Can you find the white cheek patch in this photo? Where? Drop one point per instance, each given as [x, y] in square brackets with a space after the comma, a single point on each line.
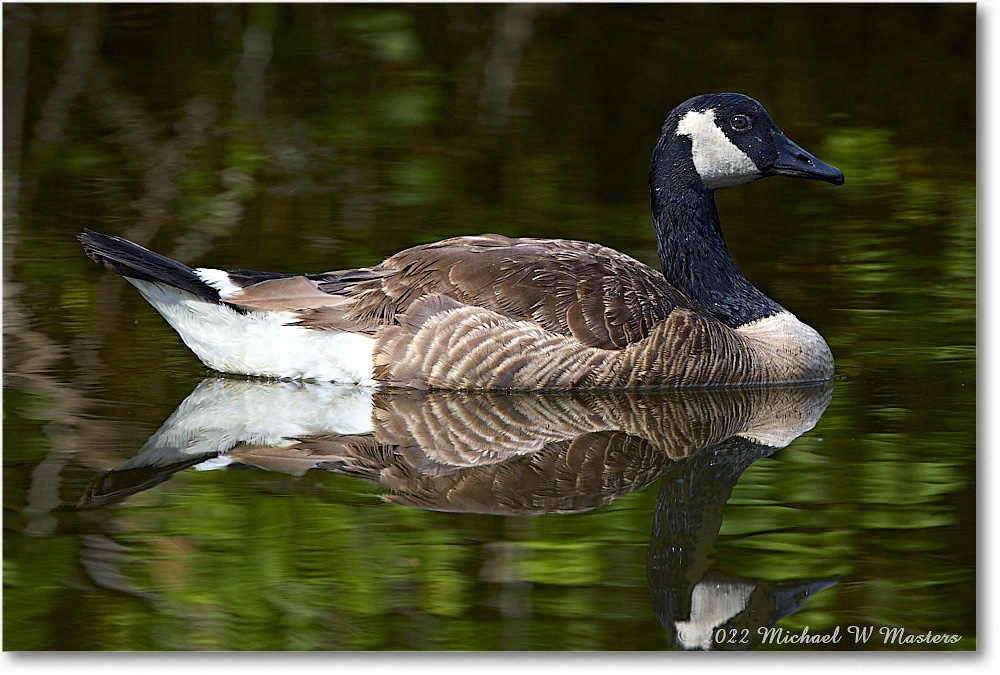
[716, 159]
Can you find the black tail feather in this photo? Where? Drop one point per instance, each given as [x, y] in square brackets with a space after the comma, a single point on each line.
[131, 260]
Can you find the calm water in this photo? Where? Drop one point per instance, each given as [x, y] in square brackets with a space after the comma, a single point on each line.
[307, 138]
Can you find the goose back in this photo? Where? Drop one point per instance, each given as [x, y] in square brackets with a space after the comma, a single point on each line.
[595, 295]
[492, 312]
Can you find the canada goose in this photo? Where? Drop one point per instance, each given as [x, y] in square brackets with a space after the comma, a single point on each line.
[477, 452]
[490, 312]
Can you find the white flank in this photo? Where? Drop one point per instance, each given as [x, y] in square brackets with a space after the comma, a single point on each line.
[260, 342]
[716, 159]
[222, 413]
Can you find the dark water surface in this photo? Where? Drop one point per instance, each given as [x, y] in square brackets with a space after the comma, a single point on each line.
[304, 138]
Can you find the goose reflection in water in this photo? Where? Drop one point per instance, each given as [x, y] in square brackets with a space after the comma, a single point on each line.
[517, 454]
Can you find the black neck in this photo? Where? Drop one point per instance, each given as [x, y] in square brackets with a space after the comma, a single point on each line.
[693, 254]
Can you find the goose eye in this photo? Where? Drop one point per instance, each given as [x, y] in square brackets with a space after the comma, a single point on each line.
[740, 122]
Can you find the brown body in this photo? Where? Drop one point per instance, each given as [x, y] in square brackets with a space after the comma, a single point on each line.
[490, 312]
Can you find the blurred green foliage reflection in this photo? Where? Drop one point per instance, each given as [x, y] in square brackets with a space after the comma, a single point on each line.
[306, 137]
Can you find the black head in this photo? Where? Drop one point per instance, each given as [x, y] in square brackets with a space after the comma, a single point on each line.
[730, 139]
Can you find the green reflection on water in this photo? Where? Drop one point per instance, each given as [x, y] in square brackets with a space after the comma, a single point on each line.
[371, 135]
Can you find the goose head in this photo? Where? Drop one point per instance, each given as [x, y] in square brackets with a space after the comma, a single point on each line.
[715, 140]
[708, 142]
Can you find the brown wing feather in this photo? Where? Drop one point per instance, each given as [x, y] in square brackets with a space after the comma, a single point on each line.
[595, 294]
